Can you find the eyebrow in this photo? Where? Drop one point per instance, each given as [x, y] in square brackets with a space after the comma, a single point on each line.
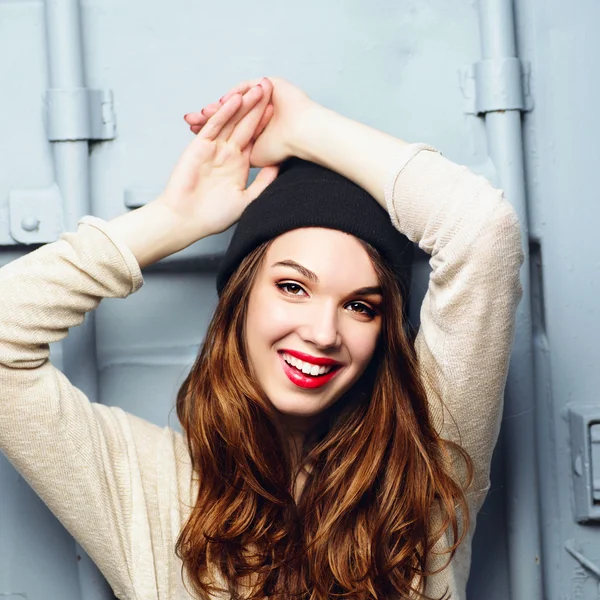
[363, 291]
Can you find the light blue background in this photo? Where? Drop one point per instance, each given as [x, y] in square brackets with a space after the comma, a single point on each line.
[392, 65]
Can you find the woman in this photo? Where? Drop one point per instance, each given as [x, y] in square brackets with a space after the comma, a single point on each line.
[324, 454]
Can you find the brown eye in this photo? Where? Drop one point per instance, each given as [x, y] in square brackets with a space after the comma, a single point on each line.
[360, 308]
[293, 289]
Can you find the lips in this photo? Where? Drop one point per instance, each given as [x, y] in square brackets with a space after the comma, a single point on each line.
[304, 380]
[315, 360]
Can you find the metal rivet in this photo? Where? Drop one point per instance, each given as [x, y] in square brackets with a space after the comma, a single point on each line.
[30, 223]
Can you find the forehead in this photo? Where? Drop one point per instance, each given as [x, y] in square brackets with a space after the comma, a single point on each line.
[334, 256]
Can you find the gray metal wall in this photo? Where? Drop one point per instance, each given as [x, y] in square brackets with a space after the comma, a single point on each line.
[399, 66]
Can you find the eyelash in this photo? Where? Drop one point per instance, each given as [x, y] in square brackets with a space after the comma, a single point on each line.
[287, 284]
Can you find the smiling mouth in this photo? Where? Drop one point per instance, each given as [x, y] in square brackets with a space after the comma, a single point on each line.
[305, 374]
[306, 367]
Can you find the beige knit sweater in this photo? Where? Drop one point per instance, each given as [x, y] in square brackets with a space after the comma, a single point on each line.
[123, 486]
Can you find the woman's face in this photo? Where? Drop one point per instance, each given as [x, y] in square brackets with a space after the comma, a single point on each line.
[313, 320]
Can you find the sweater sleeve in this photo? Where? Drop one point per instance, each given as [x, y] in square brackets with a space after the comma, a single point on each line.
[468, 314]
[80, 457]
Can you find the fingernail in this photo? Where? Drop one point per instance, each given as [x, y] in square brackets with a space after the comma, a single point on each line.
[202, 111]
[222, 98]
[185, 116]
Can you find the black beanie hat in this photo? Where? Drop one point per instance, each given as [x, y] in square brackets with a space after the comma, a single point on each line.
[307, 195]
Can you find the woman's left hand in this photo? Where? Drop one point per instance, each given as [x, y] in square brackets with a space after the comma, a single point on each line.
[280, 132]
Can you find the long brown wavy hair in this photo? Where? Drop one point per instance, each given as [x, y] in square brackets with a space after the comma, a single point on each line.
[376, 471]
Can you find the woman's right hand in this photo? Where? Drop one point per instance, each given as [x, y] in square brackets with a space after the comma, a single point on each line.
[206, 192]
[290, 107]
[208, 184]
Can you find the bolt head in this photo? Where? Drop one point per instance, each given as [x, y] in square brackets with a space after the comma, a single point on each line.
[30, 223]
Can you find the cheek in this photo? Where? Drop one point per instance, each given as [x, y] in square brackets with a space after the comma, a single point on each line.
[361, 343]
[267, 320]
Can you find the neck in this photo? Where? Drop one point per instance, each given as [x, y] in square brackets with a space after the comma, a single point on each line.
[297, 430]
[297, 434]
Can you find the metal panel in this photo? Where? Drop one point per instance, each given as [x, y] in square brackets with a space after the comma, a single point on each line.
[561, 151]
[397, 66]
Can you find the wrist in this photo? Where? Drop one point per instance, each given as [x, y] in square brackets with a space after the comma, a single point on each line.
[307, 131]
[152, 232]
[353, 149]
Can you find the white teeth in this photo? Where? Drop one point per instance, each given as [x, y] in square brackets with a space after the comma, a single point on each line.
[306, 367]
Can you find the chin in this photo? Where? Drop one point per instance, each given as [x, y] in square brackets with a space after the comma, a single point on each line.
[294, 407]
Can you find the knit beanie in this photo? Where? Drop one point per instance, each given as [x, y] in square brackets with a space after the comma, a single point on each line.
[307, 195]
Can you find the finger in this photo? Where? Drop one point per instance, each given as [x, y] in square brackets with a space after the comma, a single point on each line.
[198, 119]
[207, 113]
[198, 124]
[250, 100]
[195, 118]
[246, 128]
[216, 123]
[264, 121]
[266, 176]
[241, 88]
[246, 153]
[202, 116]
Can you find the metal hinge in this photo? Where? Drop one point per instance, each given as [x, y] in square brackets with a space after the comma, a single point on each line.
[496, 85]
[34, 216]
[79, 114]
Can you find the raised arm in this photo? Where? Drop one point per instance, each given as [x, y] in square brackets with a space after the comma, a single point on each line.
[461, 220]
[110, 477]
[473, 237]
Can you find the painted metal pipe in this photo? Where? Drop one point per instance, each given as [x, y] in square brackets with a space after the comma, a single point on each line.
[504, 134]
[72, 175]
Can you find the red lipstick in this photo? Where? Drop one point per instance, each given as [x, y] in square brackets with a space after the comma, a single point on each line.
[303, 380]
[313, 360]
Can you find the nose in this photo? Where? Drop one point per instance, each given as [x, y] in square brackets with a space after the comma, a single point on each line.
[321, 327]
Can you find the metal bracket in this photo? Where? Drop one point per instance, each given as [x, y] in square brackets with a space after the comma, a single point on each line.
[79, 114]
[35, 216]
[496, 85]
[584, 421]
